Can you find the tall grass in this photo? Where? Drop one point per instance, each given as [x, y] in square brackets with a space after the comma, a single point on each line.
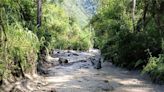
[21, 45]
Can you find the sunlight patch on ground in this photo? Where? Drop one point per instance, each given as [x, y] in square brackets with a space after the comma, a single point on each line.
[58, 79]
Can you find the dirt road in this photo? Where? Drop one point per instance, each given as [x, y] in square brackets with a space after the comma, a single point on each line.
[79, 75]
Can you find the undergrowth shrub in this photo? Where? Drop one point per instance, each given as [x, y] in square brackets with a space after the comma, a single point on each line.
[129, 44]
[119, 41]
[22, 46]
[155, 68]
[18, 52]
[128, 49]
[25, 43]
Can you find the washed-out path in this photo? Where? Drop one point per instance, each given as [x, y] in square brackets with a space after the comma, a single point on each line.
[79, 75]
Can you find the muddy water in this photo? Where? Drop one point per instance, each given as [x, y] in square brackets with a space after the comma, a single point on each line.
[79, 75]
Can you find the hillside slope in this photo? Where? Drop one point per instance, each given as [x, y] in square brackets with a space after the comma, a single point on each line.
[81, 10]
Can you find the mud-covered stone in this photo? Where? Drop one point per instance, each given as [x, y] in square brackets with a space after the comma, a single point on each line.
[63, 61]
[98, 65]
[96, 62]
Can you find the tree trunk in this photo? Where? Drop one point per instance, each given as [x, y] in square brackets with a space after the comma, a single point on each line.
[133, 14]
[39, 12]
[144, 14]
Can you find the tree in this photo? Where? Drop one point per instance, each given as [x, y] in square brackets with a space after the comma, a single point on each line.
[133, 13]
[39, 12]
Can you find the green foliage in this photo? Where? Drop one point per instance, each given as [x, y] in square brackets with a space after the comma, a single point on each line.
[21, 44]
[24, 44]
[18, 44]
[163, 45]
[155, 68]
[64, 32]
[124, 46]
[75, 9]
[21, 41]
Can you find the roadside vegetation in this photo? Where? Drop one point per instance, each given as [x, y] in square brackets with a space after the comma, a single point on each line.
[22, 43]
[130, 34]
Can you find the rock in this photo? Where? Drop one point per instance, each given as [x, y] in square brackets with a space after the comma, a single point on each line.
[75, 54]
[79, 81]
[92, 61]
[106, 88]
[106, 81]
[63, 61]
[84, 66]
[96, 62]
[98, 65]
[16, 89]
[45, 90]
[52, 90]
[72, 53]
[41, 69]
[69, 54]
[83, 61]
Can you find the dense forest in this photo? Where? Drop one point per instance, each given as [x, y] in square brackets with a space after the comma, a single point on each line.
[21, 40]
[129, 33]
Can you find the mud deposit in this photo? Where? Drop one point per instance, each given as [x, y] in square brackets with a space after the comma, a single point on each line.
[81, 75]
[73, 71]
